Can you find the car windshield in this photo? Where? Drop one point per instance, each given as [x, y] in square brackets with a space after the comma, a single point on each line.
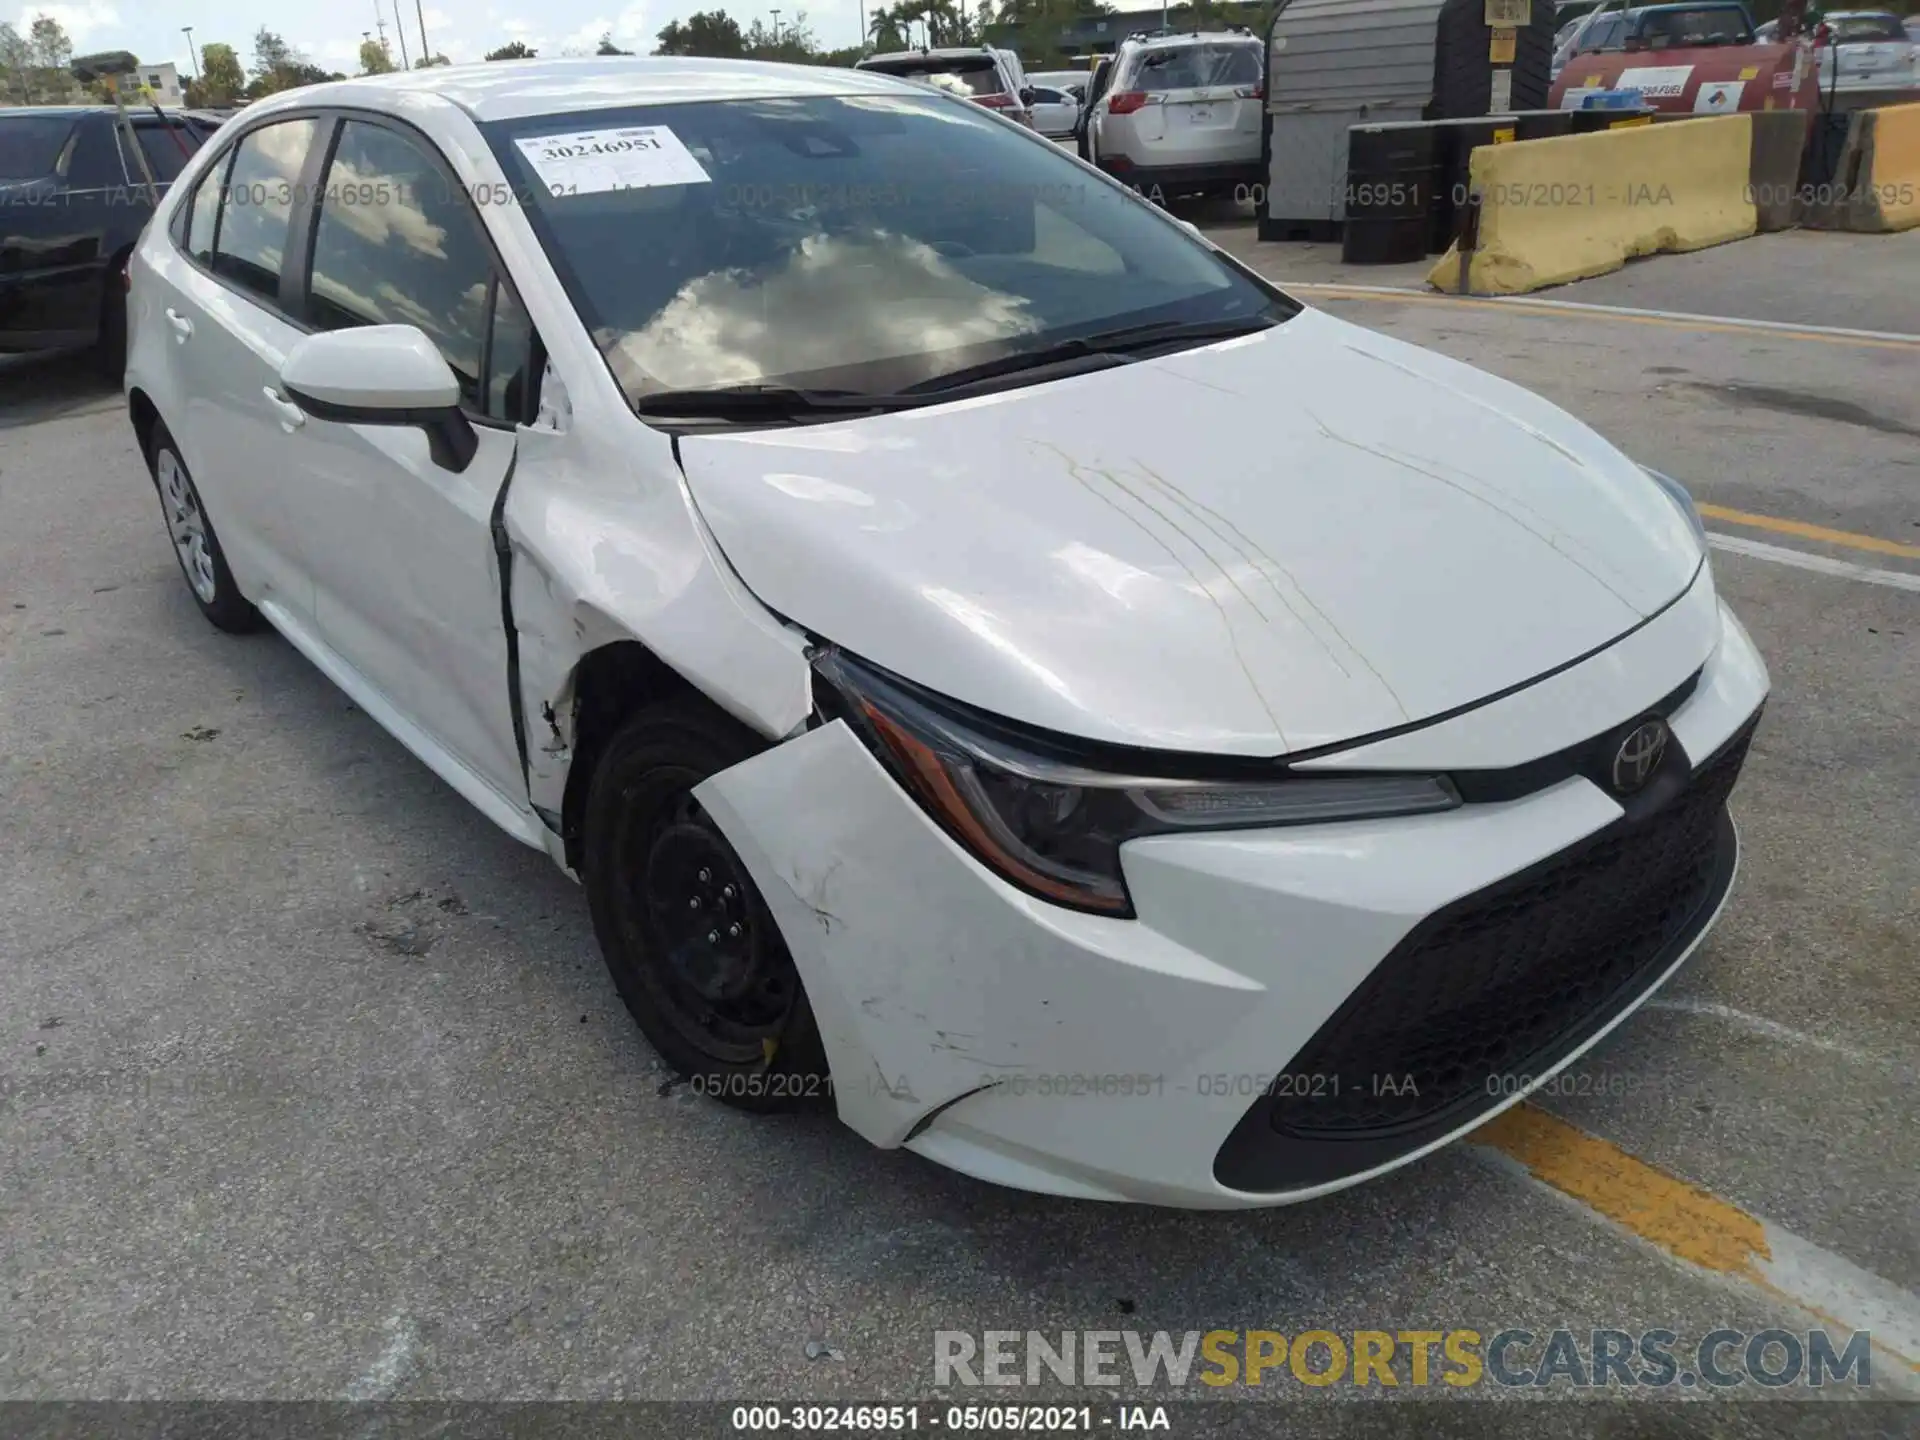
[857, 242]
[1858, 29]
[30, 144]
[1196, 67]
[964, 75]
[1678, 29]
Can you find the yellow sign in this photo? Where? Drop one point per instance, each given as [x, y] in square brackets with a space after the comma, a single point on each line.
[1503, 135]
[1500, 48]
[1624, 124]
[1508, 13]
[1750, 72]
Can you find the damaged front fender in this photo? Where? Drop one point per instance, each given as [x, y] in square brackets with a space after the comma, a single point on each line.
[930, 977]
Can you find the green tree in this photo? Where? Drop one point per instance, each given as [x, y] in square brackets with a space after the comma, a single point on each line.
[794, 44]
[221, 81]
[711, 33]
[374, 59]
[512, 50]
[429, 62]
[270, 53]
[16, 66]
[607, 47]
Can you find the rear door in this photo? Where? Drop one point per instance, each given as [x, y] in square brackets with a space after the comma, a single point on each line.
[59, 233]
[223, 311]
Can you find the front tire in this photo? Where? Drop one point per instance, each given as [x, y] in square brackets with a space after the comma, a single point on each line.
[690, 943]
[202, 563]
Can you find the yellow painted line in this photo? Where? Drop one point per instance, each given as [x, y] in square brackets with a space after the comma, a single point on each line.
[1682, 1219]
[1810, 532]
[1594, 312]
[1700, 1228]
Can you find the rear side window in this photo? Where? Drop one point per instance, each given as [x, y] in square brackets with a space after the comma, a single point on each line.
[30, 145]
[509, 359]
[252, 244]
[396, 244]
[201, 215]
[1196, 67]
[167, 148]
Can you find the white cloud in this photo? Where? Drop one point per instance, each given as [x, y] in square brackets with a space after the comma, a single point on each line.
[83, 23]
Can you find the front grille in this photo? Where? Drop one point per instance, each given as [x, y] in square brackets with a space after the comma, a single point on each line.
[1498, 984]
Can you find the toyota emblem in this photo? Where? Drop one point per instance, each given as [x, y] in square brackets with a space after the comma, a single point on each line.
[1639, 755]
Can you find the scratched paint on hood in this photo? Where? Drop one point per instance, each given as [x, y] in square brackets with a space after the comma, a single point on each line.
[1265, 545]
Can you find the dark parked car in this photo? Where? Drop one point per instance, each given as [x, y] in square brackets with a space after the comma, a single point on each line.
[73, 200]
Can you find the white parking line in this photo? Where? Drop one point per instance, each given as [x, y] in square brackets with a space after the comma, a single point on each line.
[1531, 302]
[1821, 564]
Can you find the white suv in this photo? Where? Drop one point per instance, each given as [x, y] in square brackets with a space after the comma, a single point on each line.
[985, 75]
[1183, 113]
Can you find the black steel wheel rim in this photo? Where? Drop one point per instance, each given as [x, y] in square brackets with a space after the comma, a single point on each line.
[699, 938]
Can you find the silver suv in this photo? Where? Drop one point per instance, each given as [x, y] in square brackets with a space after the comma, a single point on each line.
[1183, 113]
[983, 74]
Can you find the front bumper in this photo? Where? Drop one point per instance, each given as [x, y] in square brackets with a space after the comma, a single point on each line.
[1168, 1059]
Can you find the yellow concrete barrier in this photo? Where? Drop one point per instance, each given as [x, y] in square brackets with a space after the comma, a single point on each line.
[1889, 193]
[1571, 206]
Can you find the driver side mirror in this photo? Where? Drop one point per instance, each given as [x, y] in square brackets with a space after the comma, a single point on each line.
[1029, 97]
[382, 375]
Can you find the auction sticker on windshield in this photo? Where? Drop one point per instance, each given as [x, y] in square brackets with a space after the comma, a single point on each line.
[588, 162]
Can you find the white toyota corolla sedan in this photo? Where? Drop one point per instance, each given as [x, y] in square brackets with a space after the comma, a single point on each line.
[995, 664]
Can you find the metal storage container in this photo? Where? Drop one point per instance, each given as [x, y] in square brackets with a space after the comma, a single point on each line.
[1334, 64]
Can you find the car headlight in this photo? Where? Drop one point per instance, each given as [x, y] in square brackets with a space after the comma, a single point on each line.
[1050, 816]
[1682, 497]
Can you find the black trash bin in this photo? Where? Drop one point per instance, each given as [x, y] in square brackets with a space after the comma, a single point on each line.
[1390, 177]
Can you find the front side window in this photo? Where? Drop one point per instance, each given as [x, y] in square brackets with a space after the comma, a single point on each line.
[864, 242]
[252, 244]
[395, 244]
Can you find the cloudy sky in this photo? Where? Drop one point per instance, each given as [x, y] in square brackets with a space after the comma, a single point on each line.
[329, 31]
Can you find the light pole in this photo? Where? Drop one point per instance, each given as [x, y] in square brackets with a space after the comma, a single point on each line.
[776, 27]
[193, 56]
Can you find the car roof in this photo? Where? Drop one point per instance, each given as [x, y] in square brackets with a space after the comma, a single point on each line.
[938, 52]
[1193, 37]
[514, 89]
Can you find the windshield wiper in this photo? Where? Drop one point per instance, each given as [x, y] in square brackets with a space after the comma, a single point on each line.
[1119, 346]
[753, 402]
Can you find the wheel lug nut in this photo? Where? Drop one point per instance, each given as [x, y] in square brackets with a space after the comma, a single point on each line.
[694, 903]
[726, 892]
[705, 876]
[734, 931]
[713, 937]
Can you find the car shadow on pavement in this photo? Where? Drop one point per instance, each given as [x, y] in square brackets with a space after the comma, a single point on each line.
[46, 387]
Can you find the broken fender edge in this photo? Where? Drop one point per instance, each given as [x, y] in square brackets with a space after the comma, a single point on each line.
[929, 977]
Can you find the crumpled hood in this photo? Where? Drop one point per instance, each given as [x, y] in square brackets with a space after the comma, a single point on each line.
[1263, 546]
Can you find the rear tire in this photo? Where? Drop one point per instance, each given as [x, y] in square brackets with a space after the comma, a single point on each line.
[202, 562]
[687, 937]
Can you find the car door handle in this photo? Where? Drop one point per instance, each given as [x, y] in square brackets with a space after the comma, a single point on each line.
[182, 326]
[292, 417]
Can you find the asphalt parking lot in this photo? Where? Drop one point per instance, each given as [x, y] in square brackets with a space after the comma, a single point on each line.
[315, 1086]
